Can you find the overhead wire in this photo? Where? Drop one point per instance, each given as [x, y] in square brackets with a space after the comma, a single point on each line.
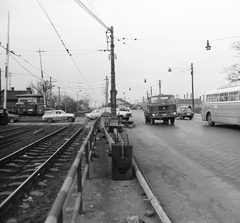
[25, 68]
[46, 13]
[67, 50]
[91, 14]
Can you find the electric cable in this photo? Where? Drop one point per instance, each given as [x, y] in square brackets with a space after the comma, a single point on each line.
[91, 13]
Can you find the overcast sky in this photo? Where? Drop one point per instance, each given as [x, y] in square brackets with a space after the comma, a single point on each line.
[150, 37]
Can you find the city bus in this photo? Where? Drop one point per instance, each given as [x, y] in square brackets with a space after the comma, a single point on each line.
[222, 106]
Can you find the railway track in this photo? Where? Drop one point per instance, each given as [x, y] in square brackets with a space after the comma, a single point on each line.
[10, 136]
[19, 170]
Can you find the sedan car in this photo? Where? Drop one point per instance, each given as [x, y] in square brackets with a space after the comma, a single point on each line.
[94, 114]
[185, 111]
[11, 117]
[57, 115]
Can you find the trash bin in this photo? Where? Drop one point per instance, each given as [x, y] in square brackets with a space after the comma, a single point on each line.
[121, 162]
[3, 118]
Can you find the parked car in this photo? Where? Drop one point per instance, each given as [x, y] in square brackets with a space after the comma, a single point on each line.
[185, 111]
[124, 113]
[11, 117]
[58, 115]
[94, 114]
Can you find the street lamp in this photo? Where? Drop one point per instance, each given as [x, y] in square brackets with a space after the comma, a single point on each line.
[208, 47]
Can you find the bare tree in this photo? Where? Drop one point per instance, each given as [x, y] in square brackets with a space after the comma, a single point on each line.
[233, 71]
[41, 87]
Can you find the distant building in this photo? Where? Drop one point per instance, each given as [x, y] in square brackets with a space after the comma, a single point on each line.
[197, 102]
[12, 99]
[122, 102]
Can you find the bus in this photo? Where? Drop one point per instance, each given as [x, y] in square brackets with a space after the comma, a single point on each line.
[222, 106]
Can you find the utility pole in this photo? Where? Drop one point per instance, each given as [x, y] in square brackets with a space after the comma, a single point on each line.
[43, 83]
[192, 87]
[59, 98]
[50, 93]
[106, 93]
[113, 84]
[5, 121]
[65, 101]
[159, 83]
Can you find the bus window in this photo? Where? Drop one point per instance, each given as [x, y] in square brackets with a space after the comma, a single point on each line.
[215, 97]
[209, 98]
[224, 97]
[233, 96]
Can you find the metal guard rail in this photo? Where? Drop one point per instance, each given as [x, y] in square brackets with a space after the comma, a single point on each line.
[56, 213]
[140, 176]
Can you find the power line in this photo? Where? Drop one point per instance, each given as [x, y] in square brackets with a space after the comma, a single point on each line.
[91, 13]
[45, 12]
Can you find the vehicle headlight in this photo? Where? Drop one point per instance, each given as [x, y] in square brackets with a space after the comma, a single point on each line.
[153, 114]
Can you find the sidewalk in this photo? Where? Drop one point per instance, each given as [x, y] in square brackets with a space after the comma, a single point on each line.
[106, 200]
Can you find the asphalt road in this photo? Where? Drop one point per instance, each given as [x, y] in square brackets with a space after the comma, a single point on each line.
[194, 168]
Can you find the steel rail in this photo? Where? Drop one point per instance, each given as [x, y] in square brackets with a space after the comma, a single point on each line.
[14, 154]
[9, 142]
[16, 133]
[10, 130]
[7, 203]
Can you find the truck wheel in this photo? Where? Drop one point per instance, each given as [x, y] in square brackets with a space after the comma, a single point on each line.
[153, 121]
[172, 120]
[146, 119]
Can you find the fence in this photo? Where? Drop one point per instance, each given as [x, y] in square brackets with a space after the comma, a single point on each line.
[56, 213]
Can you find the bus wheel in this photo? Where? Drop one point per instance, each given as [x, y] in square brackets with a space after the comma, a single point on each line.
[209, 119]
[153, 121]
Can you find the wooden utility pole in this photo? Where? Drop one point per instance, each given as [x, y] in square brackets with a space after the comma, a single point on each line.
[113, 84]
[106, 93]
[59, 99]
[50, 93]
[43, 83]
[192, 87]
[5, 121]
[159, 82]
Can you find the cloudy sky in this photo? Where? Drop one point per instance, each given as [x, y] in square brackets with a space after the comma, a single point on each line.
[150, 37]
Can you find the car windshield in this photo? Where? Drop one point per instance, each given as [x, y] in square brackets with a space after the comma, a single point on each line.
[186, 109]
[123, 109]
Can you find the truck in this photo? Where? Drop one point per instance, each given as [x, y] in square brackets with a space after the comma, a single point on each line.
[160, 107]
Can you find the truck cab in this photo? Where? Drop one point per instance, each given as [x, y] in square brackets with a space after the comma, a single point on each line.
[160, 107]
